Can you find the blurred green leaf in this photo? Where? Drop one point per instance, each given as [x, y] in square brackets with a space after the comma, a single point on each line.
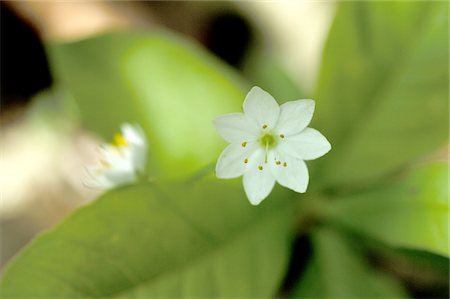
[382, 96]
[338, 270]
[413, 212]
[171, 87]
[53, 109]
[425, 273]
[262, 69]
[153, 241]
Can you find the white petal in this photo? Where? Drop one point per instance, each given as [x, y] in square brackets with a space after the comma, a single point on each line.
[108, 152]
[307, 145]
[137, 145]
[95, 180]
[258, 183]
[117, 158]
[295, 116]
[133, 134]
[236, 127]
[138, 156]
[260, 106]
[118, 163]
[234, 160]
[291, 173]
[120, 177]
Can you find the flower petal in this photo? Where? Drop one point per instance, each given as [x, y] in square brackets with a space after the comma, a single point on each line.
[291, 173]
[309, 144]
[236, 127]
[295, 116]
[121, 177]
[260, 106]
[133, 134]
[136, 149]
[234, 160]
[258, 179]
[94, 178]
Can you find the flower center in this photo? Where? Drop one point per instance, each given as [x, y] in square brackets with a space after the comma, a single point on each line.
[119, 140]
[268, 140]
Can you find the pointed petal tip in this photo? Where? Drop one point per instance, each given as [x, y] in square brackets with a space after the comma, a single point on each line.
[258, 90]
[327, 145]
[219, 173]
[255, 87]
[255, 201]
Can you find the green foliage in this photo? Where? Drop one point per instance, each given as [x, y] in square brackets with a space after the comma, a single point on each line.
[412, 212]
[172, 88]
[338, 270]
[382, 101]
[147, 241]
[52, 109]
[383, 88]
[423, 270]
[263, 69]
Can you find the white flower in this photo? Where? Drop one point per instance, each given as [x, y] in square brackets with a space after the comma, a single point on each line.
[269, 143]
[121, 162]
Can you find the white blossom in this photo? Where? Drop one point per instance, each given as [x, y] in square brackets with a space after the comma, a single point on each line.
[121, 162]
[268, 144]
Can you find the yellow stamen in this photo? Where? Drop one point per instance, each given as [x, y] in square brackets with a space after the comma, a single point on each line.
[244, 143]
[264, 126]
[119, 140]
[278, 162]
[282, 135]
[284, 164]
[246, 161]
[260, 167]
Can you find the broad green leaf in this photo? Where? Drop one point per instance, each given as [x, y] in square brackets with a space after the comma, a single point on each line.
[151, 241]
[382, 95]
[171, 87]
[310, 285]
[339, 270]
[413, 212]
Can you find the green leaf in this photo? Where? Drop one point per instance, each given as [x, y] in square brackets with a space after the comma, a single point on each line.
[412, 213]
[52, 109]
[171, 87]
[338, 270]
[382, 96]
[423, 271]
[263, 69]
[152, 241]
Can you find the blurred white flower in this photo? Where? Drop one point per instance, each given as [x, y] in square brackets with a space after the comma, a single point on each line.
[121, 162]
[269, 143]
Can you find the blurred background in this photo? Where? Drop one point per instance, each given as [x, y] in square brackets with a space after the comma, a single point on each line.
[277, 45]
[42, 168]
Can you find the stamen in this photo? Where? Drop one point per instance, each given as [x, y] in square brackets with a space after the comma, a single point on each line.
[244, 143]
[267, 153]
[119, 140]
[264, 126]
[278, 162]
[260, 167]
[284, 164]
[282, 135]
[246, 161]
